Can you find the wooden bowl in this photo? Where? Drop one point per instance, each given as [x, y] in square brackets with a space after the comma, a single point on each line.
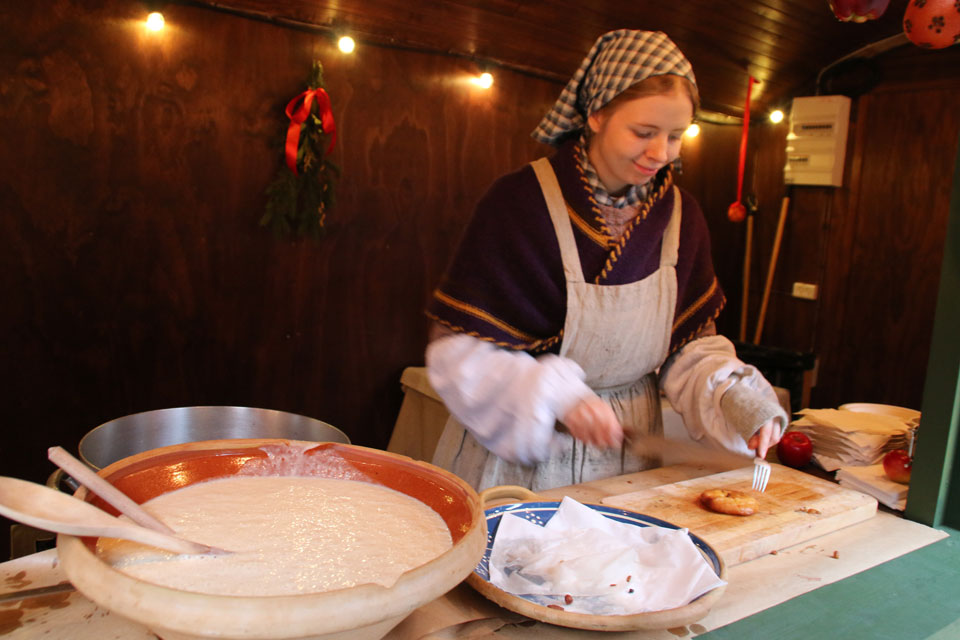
[540, 510]
[363, 612]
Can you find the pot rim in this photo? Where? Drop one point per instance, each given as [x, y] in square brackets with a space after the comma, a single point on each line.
[114, 423]
[302, 614]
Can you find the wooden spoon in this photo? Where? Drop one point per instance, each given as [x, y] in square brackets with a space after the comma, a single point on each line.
[51, 510]
[110, 494]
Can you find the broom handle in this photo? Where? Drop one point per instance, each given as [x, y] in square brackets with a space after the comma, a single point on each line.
[748, 251]
[773, 267]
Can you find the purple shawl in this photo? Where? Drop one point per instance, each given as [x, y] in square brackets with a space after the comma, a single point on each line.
[506, 284]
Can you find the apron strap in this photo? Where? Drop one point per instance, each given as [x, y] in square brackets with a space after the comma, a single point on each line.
[561, 219]
[669, 247]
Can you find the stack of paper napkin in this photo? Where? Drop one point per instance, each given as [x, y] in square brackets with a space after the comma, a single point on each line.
[851, 438]
[873, 481]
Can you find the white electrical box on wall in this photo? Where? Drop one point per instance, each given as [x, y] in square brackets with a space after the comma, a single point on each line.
[817, 141]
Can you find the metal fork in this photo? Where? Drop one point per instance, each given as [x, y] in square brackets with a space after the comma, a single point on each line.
[761, 474]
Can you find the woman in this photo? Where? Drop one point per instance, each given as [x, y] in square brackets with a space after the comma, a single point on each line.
[583, 285]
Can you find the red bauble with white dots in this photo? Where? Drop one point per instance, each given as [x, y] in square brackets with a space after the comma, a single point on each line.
[932, 24]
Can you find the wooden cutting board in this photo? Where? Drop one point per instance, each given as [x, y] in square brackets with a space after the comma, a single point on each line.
[796, 507]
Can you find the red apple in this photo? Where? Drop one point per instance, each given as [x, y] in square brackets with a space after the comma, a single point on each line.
[795, 449]
[897, 464]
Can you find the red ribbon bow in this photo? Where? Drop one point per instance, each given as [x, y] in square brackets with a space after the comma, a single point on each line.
[298, 117]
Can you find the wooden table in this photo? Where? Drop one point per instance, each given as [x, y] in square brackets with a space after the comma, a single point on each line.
[753, 586]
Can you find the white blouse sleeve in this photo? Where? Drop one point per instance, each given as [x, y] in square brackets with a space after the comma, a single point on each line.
[509, 400]
[722, 400]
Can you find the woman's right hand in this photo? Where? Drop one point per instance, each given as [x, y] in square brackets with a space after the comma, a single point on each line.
[593, 421]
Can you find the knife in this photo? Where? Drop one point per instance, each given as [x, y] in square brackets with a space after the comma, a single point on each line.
[687, 451]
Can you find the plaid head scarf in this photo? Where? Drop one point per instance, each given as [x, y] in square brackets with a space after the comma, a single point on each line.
[618, 60]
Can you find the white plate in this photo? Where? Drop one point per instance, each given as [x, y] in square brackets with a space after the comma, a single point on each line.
[907, 415]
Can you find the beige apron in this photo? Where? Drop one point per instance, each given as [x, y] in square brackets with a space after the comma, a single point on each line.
[619, 335]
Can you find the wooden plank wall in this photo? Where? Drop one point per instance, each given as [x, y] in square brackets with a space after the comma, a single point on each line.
[134, 273]
[134, 276]
[873, 246]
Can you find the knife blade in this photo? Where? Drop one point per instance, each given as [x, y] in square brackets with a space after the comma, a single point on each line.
[687, 451]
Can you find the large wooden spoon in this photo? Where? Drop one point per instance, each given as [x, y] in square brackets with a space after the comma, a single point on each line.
[51, 510]
[109, 493]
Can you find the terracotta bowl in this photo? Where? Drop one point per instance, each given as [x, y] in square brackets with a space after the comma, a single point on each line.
[363, 612]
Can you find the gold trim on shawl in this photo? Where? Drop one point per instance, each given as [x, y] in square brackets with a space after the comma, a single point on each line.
[536, 345]
[697, 304]
[696, 332]
[599, 237]
[652, 198]
[479, 313]
[597, 214]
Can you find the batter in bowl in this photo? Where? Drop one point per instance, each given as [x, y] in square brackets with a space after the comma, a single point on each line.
[290, 535]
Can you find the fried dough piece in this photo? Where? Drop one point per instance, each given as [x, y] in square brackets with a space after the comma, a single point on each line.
[734, 503]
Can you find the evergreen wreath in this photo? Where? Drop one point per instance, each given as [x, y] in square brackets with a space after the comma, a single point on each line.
[303, 191]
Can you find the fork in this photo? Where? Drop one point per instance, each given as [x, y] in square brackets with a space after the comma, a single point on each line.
[761, 474]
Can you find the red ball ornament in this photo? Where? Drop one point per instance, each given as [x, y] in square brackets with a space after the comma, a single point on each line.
[858, 10]
[736, 212]
[932, 24]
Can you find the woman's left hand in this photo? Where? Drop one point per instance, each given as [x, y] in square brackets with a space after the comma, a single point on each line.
[764, 438]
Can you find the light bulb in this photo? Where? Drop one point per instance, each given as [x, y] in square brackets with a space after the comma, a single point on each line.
[484, 80]
[346, 44]
[155, 21]
[776, 116]
[692, 131]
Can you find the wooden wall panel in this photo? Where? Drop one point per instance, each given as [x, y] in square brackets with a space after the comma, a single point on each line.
[789, 322]
[134, 271]
[783, 43]
[133, 177]
[874, 245]
[709, 171]
[896, 253]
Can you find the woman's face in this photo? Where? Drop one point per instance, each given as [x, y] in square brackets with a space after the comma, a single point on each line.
[634, 140]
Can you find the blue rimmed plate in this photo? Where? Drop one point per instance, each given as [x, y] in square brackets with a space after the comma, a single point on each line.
[540, 513]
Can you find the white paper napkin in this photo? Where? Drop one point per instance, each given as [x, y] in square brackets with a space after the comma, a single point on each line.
[606, 567]
[873, 481]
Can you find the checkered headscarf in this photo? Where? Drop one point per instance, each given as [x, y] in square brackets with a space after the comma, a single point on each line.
[618, 60]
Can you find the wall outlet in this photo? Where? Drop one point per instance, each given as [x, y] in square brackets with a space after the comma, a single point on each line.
[805, 290]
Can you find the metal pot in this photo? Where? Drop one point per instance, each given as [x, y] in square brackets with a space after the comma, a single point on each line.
[139, 432]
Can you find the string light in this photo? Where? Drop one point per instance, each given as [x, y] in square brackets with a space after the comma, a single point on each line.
[776, 116]
[346, 44]
[484, 80]
[155, 21]
[692, 131]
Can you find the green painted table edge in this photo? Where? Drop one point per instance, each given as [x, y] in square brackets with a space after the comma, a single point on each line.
[913, 597]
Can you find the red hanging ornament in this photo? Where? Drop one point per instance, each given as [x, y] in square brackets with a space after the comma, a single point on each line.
[932, 24]
[858, 10]
[737, 212]
[302, 193]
